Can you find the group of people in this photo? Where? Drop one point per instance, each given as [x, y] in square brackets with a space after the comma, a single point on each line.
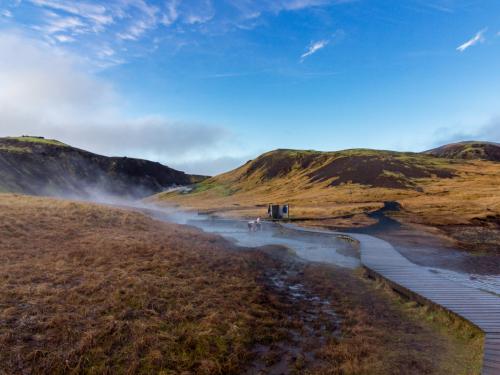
[254, 225]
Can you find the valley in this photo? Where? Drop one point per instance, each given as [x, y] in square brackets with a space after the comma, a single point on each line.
[175, 282]
[454, 199]
[88, 288]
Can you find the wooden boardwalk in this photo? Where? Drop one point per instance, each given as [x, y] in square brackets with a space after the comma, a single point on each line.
[478, 307]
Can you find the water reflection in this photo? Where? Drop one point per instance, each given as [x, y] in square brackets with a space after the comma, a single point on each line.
[311, 247]
[327, 249]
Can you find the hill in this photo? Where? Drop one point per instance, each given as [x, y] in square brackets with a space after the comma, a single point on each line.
[367, 167]
[468, 150]
[343, 188]
[38, 166]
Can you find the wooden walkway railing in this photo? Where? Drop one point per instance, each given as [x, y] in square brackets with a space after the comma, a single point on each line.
[478, 307]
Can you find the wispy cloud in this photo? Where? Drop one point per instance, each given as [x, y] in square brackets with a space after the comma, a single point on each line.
[97, 14]
[6, 13]
[313, 48]
[64, 38]
[478, 38]
[131, 27]
[445, 6]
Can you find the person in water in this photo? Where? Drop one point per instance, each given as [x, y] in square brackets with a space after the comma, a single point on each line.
[251, 226]
[254, 225]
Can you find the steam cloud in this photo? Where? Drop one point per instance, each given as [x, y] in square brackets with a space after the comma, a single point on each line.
[47, 92]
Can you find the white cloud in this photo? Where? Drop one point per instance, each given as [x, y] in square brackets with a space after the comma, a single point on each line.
[171, 13]
[46, 92]
[56, 24]
[478, 38]
[301, 4]
[313, 48]
[6, 13]
[64, 38]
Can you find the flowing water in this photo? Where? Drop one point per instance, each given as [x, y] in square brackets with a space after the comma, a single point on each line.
[318, 246]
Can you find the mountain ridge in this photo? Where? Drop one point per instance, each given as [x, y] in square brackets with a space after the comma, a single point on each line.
[39, 166]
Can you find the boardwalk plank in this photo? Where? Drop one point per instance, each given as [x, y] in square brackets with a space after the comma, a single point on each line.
[479, 307]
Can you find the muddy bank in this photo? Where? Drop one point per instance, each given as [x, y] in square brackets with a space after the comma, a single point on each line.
[339, 322]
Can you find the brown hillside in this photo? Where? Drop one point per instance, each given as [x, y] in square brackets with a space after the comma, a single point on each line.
[468, 150]
[38, 166]
[365, 167]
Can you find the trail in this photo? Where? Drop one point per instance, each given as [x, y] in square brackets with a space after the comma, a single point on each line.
[469, 298]
[476, 305]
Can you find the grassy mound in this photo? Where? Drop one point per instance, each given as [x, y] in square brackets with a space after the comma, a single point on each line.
[87, 289]
[366, 167]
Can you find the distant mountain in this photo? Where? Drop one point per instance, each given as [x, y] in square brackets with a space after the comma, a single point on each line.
[468, 150]
[38, 166]
[309, 178]
[385, 169]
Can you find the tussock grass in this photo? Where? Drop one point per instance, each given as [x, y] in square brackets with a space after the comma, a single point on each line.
[384, 333]
[86, 289]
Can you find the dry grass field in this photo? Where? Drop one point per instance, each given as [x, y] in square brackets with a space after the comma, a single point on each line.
[87, 289]
[434, 192]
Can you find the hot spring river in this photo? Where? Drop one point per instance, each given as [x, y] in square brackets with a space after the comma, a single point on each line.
[314, 247]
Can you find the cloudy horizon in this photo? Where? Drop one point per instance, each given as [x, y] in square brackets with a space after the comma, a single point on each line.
[203, 86]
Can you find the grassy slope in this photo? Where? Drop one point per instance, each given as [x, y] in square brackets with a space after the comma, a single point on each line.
[472, 192]
[39, 166]
[468, 150]
[87, 289]
[93, 290]
[22, 144]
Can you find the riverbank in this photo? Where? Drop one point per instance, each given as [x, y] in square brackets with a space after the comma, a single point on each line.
[87, 288]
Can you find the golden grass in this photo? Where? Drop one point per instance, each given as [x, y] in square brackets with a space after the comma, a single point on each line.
[86, 289]
[435, 202]
[383, 333]
[472, 193]
[89, 289]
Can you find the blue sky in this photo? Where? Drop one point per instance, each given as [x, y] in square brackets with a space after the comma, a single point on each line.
[204, 85]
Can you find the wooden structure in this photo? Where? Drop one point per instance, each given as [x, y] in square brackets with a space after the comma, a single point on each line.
[478, 307]
[278, 211]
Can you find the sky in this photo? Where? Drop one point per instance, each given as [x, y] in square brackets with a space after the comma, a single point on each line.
[205, 85]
